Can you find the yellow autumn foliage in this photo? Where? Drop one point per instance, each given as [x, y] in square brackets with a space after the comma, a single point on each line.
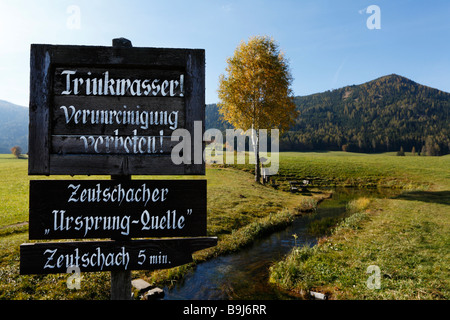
[255, 91]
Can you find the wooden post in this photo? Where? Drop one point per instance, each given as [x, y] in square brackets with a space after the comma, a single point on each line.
[120, 285]
[121, 280]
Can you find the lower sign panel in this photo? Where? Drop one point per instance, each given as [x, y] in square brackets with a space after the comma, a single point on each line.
[57, 257]
[82, 209]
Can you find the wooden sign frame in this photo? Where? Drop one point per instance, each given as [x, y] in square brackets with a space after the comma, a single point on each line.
[59, 114]
[52, 154]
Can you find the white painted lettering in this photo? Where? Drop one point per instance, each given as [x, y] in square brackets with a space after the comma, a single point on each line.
[107, 85]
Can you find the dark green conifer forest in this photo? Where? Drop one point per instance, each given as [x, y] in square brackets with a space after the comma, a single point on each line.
[387, 114]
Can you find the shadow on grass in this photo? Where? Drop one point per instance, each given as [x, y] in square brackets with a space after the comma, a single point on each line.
[21, 157]
[442, 197]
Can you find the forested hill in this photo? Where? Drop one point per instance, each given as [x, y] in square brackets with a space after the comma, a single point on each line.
[378, 116]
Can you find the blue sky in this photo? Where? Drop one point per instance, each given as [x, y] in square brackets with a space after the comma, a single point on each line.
[327, 43]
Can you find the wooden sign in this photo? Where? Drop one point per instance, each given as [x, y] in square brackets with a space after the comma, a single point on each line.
[57, 257]
[75, 209]
[113, 110]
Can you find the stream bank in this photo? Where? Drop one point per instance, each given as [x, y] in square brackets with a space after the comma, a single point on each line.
[244, 274]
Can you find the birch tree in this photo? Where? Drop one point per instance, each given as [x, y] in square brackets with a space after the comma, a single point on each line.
[255, 91]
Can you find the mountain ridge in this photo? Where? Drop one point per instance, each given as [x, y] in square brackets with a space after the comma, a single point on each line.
[384, 114]
[13, 127]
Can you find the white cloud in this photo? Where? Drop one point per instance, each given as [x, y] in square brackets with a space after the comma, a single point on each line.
[226, 8]
[362, 11]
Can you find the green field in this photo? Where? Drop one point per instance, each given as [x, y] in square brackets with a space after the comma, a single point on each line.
[364, 170]
[406, 236]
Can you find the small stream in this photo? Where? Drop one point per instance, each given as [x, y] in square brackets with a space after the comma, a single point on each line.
[244, 275]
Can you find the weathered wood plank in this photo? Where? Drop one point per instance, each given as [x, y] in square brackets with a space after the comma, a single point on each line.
[92, 256]
[195, 88]
[136, 56]
[40, 80]
[112, 164]
[118, 145]
[120, 165]
[113, 81]
[105, 115]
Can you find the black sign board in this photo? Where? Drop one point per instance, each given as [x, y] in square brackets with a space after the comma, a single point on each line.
[57, 257]
[74, 209]
[113, 110]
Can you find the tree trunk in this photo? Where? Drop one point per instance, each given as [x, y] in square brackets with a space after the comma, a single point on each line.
[255, 141]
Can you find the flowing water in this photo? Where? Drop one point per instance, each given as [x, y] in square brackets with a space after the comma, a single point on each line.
[244, 275]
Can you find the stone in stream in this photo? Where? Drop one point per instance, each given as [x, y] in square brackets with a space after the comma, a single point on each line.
[146, 291]
[153, 294]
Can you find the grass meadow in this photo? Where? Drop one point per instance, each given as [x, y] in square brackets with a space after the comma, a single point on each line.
[405, 238]
[239, 211]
